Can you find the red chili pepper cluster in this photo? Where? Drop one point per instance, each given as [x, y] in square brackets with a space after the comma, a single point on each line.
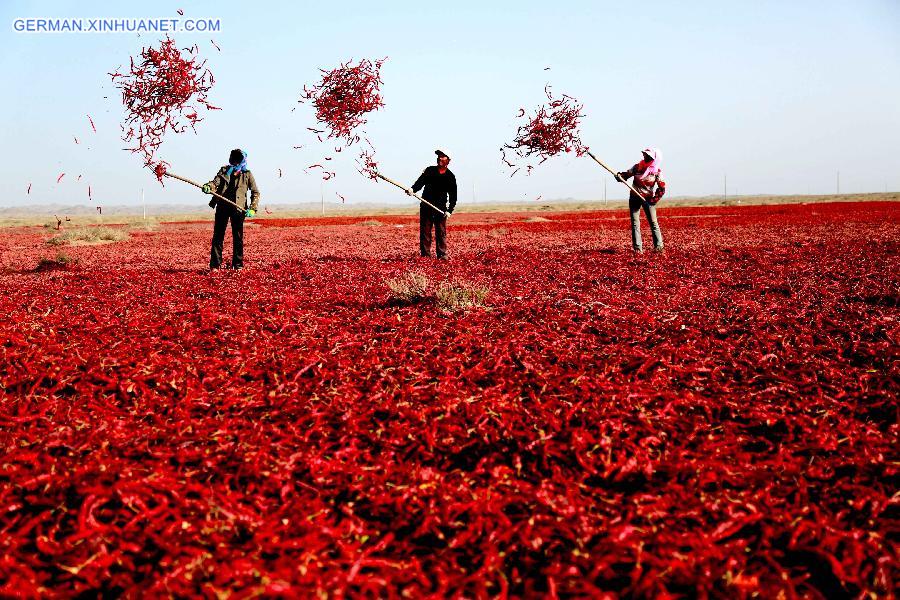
[717, 422]
[345, 96]
[162, 92]
[552, 130]
[367, 164]
[160, 169]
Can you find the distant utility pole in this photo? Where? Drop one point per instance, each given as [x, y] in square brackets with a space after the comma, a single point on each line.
[604, 192]
[144, 203]
[839, 183]
[725, 194]
[473, 192]
[322, 196]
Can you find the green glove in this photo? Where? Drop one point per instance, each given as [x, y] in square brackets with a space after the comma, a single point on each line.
[207, 189]
[249, 213]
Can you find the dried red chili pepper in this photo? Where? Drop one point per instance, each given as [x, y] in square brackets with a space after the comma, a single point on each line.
[663, 415]
[162, 91]
[159, 169]
[344, 97]
[552, 130]
[368, 166]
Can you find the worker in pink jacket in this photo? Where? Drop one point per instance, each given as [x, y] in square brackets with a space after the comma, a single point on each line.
[649, 183]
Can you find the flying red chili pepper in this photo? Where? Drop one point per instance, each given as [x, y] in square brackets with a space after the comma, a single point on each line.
[159, 169]
[61, 175]
[161, 92]
[552, 130]
[368, 166]
[344, 97]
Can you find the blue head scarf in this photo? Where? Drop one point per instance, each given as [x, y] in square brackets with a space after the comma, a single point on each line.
[240, 167]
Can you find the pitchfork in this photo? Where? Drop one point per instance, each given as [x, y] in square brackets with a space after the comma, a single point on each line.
[411, 193]
[195, 184]
[616, 175]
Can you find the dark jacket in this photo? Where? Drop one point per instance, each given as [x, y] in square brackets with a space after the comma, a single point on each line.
[235, 187]
[438, 188]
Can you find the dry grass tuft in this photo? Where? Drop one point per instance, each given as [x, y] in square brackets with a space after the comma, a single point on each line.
[371, 223]
[537, 220]
[89, 235]
[408, 289]
[459, 295]
[62, 261]
[148, 226]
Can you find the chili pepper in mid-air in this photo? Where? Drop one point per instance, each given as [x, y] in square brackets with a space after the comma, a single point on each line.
[161, 91]
[552, 130]
[345, 95]
[343, 98]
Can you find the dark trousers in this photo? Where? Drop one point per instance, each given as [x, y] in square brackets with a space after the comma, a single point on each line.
[224, 213]
[430, 219]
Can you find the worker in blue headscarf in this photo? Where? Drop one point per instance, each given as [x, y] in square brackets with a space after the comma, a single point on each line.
[232, 181]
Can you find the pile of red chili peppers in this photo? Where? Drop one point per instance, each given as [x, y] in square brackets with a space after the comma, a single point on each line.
[162, 91]
[718, 422]
[552, 130]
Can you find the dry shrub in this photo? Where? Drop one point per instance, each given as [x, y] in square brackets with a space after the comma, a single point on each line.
[459, 295]
[61, 261]
[371, 223]
[89, 235]
[537, 220]
[408, 289]
[150, 225]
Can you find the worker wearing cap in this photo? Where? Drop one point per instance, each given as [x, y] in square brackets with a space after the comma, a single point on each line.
[647, 176]
[440, 190]
[232, 181]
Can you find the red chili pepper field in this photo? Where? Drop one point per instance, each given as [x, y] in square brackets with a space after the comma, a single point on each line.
[719, 421]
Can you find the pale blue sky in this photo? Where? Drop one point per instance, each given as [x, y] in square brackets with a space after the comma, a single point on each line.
[778, 95]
